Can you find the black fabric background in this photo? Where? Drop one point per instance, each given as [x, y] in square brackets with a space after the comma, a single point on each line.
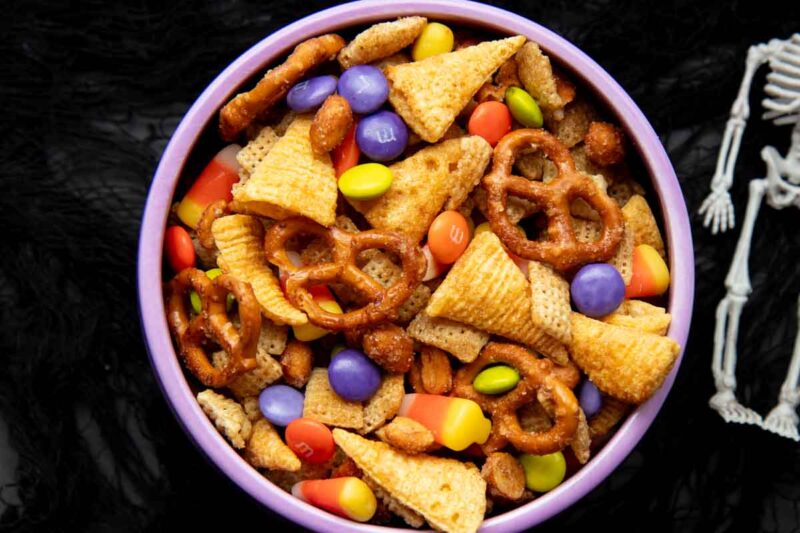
[90, 93]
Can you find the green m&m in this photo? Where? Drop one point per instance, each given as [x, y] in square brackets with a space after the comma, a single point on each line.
[543, 472]
[194, 298]
[523, 107]
[496, 379]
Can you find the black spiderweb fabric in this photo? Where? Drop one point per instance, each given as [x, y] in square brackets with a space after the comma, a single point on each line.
[90, 94]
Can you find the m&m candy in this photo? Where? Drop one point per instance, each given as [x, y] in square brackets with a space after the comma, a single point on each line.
[496, 379]
[491, 120]
[280, 404]
[344, 496]
[382, 136]
[590, 398]
[366, 182]
[179, 248]
[448, 236]
[455, 422]
[353, 375]
[310, 94]
[197, 303]
[310, 440]
[650, 273]
[214, 183]
[523, 107]
[435, 39]
[597, 289]
[346, 155]
[364, 87]
[543, 472]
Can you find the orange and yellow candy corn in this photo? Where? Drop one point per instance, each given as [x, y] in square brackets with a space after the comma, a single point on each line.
[650, 273]
[345, 496]
[214, 183]
[455, 422]
[322, 296]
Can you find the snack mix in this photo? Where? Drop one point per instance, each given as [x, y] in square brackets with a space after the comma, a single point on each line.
[415, 294]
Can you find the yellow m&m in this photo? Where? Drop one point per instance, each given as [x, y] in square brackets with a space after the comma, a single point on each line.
[435, 39]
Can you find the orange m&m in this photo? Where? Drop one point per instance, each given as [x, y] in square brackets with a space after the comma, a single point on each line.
[448, 236]
[310, 440]
[491, 120]
[179, 248]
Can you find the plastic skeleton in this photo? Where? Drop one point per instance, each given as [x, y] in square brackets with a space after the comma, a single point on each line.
[781, 187]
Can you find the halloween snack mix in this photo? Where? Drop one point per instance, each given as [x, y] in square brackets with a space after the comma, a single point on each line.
[409, 290]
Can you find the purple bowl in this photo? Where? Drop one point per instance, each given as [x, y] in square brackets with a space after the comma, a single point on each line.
[205, 109]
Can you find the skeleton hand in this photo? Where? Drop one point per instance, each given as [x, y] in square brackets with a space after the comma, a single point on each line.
[718, 210]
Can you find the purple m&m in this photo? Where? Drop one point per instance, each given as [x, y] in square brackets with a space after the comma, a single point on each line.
[353, 375]
[310, 93]
[597, 289]
[382, 136]
[364, 87]
[590, 398]
[280, 404]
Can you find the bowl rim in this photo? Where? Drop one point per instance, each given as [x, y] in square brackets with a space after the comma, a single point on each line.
[149, 285]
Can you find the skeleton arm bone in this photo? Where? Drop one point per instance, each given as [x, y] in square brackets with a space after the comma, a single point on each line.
[717, 207]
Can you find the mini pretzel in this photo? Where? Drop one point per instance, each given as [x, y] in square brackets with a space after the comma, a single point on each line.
[213, 211]
[214, 323]
[383, 303]
[561, 249]
[537, 375]
[240, 112]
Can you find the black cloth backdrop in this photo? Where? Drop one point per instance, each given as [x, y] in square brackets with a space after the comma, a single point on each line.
[91, 93]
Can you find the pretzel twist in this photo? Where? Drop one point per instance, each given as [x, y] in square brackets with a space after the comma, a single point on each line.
[213, 211]
[383, 303]
[215, 324]
[246, 107]
[561, 249]
[538, 375]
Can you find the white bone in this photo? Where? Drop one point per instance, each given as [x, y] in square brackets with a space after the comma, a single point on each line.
[728, 313]
[780, 188]
[783, 419]
[717, 207]
[783, 80]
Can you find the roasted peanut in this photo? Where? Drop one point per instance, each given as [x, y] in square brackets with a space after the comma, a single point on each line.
[407, 435]
[504, 475]
[389, 346]
[331, 124]
[296, 363]
[605, 144]
[435, 371]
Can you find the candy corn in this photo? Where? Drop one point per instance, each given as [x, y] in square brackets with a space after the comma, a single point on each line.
[323, 297]
[345, 496]
[214, 183]
[455, 422]
[321, 294]
[650, 273]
